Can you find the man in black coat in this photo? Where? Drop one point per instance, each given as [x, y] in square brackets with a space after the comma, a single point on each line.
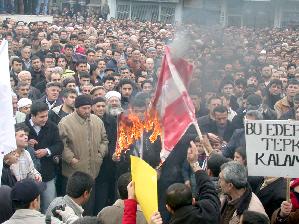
[44, 138]
[221, 126]
[179, 200]
[105, 181]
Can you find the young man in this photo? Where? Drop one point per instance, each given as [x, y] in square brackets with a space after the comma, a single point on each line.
[44, 138]
[24, 167]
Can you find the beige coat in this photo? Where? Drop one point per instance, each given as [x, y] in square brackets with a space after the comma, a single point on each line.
[255, 205]
[85, 140]
[114, 214]
[282, 106]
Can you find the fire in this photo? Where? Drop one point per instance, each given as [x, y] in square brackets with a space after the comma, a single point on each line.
[131, 128]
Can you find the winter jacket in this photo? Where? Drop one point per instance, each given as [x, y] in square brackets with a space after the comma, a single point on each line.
[282, 106]
[293, 218]
[48, 137]
[120, 210]
[85, 140]
[207, 208]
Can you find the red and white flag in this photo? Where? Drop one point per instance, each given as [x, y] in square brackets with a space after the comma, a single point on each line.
[172, 101]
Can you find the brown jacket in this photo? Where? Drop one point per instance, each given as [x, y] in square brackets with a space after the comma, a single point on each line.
[114, 214]
[292, 219]
[282, 106]
[85, 140]
[254, 205]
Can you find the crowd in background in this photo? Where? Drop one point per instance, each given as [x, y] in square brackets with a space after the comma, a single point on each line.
[71, 80]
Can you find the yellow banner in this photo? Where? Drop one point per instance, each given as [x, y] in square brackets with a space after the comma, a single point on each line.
[145, 179]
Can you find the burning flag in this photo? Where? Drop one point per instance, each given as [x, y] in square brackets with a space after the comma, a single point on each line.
[175, 108]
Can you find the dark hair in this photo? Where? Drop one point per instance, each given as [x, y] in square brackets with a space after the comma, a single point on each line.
[35, 57]
[241, 81]
[81, 62]
[138, 102]
[73, 36]
[84, 75]
[293, 82]
[220, 109]
[38, 107]
[21, 127]
[88, 220]
[122, 184]
[90, 50]
[215, 162]
[69, 46]
[20, 205]
[110, 78]
[242, 151]
[49, 55]
[66, 92]
[146, 81]
[252, 217]
[291, 65]
[16, 59]
[178, 195]
[124, 82]
[78, 183]
[213, 98]
[276, 82]
[61, 56]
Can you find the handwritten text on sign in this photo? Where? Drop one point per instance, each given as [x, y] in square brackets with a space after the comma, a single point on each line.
[272, 148]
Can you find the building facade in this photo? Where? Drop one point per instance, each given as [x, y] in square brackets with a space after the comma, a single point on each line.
[256, 13]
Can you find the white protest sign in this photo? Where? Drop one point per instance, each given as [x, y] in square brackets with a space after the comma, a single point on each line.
[272, 148]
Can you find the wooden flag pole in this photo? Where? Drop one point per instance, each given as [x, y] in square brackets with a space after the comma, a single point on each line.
[288, 189]
[200, 137]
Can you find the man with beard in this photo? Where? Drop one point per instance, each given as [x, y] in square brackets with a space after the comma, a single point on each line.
[85, 143]
[126, 88]
[114, 103]
[273, 93]
[105, 181]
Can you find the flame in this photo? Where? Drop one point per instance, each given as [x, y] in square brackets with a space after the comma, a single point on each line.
[131, 128]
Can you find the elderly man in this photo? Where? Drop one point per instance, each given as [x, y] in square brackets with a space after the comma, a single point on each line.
[239, 197]
[85, 143]
[25, 77]
[113, 103]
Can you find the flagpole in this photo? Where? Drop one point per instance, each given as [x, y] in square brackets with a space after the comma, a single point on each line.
[200, 137]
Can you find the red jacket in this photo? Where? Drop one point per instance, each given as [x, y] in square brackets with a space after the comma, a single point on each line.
[129, 216]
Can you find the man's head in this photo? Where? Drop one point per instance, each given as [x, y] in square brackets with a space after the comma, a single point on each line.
[52, 90]
[98, 91]
[22, 90]
[24, 105]
[109, 83]
[81, 66]
[122, 184]
[25, 77]
[214, 164]
[16, 65]
[84, 78]
[99, 106]
[177, 196]
[83, 106]
[79, 186]
[266, 72]
[113, 102]
[21, 133]
[26, 194]
[233, 177]
[147, 86]
[275, 87]
[26, 53]
[39, 113]
[69, 97]
[36, 63]
[213, 102]
[126, 88]
[49, 61]
[292, 88]
[220, 114]
[138, 107]
[227, 88]
[252, 217]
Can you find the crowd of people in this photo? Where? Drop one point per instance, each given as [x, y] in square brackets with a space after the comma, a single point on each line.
[72, 79]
